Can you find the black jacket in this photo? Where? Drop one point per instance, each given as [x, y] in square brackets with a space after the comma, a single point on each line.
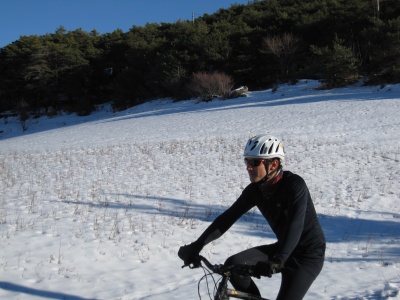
[289, 210]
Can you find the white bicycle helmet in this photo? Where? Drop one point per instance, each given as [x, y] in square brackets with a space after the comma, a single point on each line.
[264, 146]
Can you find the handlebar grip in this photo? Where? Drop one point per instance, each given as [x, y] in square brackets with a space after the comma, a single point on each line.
[193, 264]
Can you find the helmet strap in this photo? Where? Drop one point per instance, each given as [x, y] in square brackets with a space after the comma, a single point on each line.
[269, 174]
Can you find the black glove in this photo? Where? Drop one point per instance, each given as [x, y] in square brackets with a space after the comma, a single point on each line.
[190, 253]
[269, 267]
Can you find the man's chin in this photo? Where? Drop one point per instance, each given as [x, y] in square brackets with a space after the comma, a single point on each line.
[253, 179]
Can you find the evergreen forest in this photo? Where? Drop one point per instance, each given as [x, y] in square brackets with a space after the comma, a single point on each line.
[258, 45]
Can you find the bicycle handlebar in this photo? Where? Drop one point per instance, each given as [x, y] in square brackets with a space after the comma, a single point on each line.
[243, 270]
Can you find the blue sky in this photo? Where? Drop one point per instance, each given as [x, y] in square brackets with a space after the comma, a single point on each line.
[38, 17]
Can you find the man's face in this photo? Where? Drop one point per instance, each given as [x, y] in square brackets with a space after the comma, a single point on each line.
[255, 168]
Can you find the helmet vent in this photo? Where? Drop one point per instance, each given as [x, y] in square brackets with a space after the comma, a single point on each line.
[262, 150]
[270, 150]
[277, 148]
[255, 144]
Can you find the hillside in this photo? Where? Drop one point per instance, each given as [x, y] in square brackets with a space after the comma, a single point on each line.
[97, 207]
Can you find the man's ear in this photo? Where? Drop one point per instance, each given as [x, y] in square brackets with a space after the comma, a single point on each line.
[275, 164]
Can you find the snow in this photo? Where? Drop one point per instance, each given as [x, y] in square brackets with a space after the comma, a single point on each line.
[97, 207]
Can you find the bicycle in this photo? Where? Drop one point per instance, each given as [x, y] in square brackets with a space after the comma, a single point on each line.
[222, 290]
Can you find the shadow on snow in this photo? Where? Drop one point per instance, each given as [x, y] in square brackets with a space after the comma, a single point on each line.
[338, 229]
[12, 287]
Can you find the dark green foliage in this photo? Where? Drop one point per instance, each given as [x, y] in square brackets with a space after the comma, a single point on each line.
[336, 41]
[336, 64]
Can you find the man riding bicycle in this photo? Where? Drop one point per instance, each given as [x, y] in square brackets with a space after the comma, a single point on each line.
[284, 200]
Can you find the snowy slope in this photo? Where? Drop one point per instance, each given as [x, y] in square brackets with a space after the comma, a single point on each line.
[96, 207]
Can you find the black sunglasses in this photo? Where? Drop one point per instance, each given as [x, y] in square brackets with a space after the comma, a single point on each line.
[253, 162]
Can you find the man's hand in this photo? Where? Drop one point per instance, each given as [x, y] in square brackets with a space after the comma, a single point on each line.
[269, 267]
[190, 253]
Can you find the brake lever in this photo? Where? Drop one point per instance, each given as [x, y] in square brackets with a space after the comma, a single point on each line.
[194, 265]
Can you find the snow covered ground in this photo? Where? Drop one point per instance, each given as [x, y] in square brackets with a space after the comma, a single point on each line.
[97, 207]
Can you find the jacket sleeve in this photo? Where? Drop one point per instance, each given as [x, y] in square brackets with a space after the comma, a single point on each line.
[297, 196]
[225, 220]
